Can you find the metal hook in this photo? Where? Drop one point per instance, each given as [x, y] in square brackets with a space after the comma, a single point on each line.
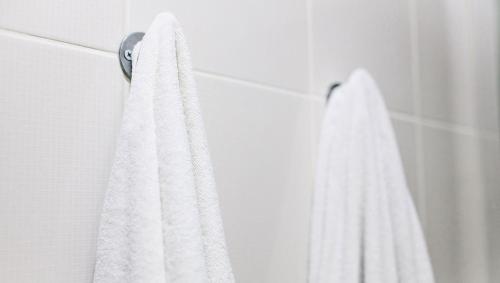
[125, 52]
[331, 89]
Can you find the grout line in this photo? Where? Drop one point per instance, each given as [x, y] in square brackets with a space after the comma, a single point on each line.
[445, 126]
[405, 117]
[267, 87]
[78, 47]
[465, 199]
[51, 41]
[313, 132]
[316, 98]
[432, 123]
[497, 55]
[310, 39]
[126, 28]
[314, 125]
[417, 108]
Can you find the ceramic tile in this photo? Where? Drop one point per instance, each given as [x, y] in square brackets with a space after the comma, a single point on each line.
[490, 153]
[260, 41]
[317, 113]
[59, 112]
[92, 23]
[460, 182]
[260, 146]
[458, 69]
[406, 135]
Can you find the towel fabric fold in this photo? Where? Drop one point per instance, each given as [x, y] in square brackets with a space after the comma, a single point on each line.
[364, 224]
[160, 220]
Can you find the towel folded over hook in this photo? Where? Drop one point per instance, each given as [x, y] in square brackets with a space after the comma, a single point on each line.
[160, 220]
[364, 224]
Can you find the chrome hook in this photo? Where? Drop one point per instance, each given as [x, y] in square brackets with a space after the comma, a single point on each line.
[331, 89]
[125, 52]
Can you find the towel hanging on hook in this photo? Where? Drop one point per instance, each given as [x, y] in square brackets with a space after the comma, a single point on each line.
[160, 220]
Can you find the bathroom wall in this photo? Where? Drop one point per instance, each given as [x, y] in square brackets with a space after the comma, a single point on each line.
[262, 69]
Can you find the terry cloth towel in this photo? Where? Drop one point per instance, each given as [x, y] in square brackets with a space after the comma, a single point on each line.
[364, 224]
[160, 220]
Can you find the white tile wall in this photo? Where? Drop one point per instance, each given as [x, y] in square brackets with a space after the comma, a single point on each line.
[259, 41]
[262, 164]
[59, 111]
[93, 23]
[406, 134]
[460, 150]
[459, 75]
[459, 182]
[489, 155]
[370, 34]
[262, 69]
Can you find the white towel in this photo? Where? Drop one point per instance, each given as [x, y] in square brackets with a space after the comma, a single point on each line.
[160, 221]
[364, 224]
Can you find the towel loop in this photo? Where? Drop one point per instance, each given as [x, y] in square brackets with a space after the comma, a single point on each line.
[331, 89]
[125, 52]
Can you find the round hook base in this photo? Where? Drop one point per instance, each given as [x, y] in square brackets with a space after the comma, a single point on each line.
[125, 52]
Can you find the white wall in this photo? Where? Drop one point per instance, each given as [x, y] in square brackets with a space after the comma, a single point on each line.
[262, 69]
